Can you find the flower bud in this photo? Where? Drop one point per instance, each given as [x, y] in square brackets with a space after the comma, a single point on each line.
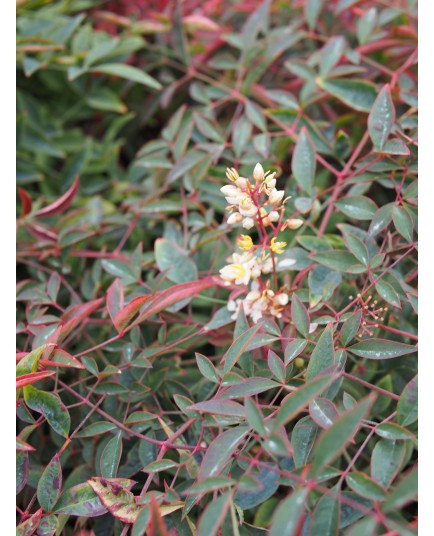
[293, 223]
[232, 174]
[235, 218]
[242, 183]
[258, 172]
[247, 207]
[275, 196]
[274, 216]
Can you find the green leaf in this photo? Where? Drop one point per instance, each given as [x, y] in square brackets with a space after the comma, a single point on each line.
[107, 100]
[185, 164]
[250, 386]
[159, 465]
[381, 118]
[220, 450]
[332, 441]
[365, 24]
[213, 516]
[350, 328]
[386, 461]
[241, 135]
[381, 220]
[300, 315]
[213, 483]
[141, 523]
[381, 349]
[325, 519]
[169, 256]
[388, 293]
[255, 115]
[331, 54]
[275, 364]
[254, 416]
[312, 9]
[405, 492]
[357, 94]
[407, 404]
[50, 484]
[51, 407]
[48, 526]
[323, 412]
[111, 456]
[206, 368]
[128, 72]
[287, 515]
[295, 402]
[238, 347]
[357, 248]
[390, 430]
[396, 146]
[365, 487]
[322, 282]
[323, 355]
[304, 163]
[293, 349]
[302, 439]
[219, 407]
[96, 428]
[80, 500]
[403, 222]
[357, 207]
[22, 470]
[340, 260]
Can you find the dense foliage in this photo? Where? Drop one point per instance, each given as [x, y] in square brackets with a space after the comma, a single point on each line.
[155, 393]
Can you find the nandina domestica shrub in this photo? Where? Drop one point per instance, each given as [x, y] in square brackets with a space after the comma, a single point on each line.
[217, 268]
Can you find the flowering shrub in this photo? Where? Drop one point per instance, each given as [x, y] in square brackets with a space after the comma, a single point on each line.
[205, 347]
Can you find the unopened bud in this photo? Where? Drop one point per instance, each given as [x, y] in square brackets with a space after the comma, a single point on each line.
[235, 218]
[294, 223]
[258, 173]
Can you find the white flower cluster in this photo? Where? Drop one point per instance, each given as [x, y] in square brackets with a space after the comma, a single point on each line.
[257, 203]
[258, 304]
[242, 196]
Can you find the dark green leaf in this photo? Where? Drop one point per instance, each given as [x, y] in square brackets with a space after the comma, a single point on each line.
[171, 258]
[325, 519]
[357, 207]
[51, 407]
[293, 349]
[302, 439]
[237, 348]
[213, 516]
[357, 94]
[334, 440]
[405, 492]
[81, 501]
[300, 315]
[340, 260]
[365, 487]
[407, 404]
[50, 484]
[287, 515]
[390, 430]
[304, 163]
[381, 117]
[128, 72]
[350, 328]
[403, 222]
[323, 355]
[111, 457]
[386, 461]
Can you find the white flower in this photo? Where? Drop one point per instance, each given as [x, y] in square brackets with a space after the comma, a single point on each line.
[234, 306]
[247, 207]
[235, 218]
[248, 223]
[275, 196]
[236, 273]
[282, 298]
[258, 172]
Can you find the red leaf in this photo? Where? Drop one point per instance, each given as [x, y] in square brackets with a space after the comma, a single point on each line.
[26, 202]
[28, 527]
[41, 232]
[166, 298]
[156, 526]
[62, 203]
[75, 315]
[60, 358]
[33, 377]
[22, 445]
[115, 299]
[123, 318]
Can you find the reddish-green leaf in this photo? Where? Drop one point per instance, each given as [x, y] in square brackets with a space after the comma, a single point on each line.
[407, 404]
[28, 527]
[365, 486]
[32, 377]
[381, 349]
[214, 514]
[80, 500]
[118, 500]
[207, 368]
[323, 355]
[286, 518]
[238, 347]
[357, 94]
[386, 461]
